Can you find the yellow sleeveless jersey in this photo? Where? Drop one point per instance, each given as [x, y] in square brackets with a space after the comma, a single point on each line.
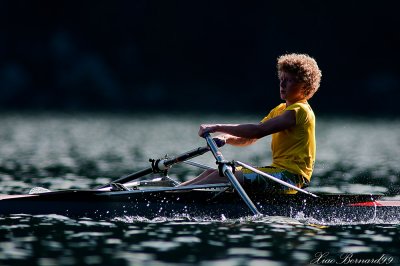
[294, 149]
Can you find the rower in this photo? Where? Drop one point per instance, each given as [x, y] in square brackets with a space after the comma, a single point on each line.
[291, 124]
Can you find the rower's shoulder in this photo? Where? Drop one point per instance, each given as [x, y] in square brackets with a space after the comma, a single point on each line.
[302, 107]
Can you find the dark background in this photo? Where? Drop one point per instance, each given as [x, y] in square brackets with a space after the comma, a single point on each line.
[211, 56]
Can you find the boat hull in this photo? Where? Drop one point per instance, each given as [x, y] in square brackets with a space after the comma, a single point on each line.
[328, 208]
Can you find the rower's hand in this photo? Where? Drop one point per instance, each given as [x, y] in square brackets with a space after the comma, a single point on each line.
[205, 128]
[220, 141]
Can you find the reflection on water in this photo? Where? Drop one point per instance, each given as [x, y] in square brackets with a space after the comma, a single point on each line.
[57, 240]
[71, 151]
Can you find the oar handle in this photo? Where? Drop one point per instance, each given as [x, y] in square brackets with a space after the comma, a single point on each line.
[213, 147]
[227, 171]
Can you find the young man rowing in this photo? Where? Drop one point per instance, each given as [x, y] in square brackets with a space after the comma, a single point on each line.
[291, 124]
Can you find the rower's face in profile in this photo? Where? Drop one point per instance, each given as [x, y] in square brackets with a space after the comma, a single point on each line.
[291, 90]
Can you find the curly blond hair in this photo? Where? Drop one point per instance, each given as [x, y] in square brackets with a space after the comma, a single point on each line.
[305, 69]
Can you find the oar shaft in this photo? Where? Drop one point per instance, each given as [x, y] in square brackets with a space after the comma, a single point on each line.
[227, 171]
[202, 166]
[255, 170]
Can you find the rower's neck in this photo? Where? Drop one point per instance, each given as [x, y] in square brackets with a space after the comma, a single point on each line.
[299, 101]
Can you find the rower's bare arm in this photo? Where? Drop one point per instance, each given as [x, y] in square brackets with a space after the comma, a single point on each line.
[277, 124]
[253, 131]
[237, 141]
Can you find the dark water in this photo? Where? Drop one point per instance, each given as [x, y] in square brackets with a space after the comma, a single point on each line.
[83, 151]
